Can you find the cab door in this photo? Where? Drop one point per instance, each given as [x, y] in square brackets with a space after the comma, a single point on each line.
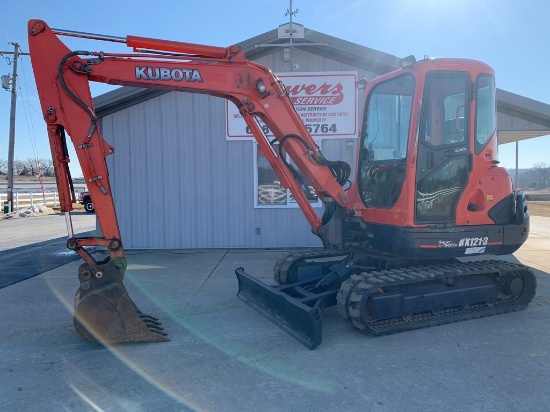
[443, 147]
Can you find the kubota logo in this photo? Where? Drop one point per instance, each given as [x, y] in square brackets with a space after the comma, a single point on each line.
[164, 73]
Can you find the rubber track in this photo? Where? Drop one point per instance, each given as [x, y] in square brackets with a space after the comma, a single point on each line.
[285, 263]
[355, 291]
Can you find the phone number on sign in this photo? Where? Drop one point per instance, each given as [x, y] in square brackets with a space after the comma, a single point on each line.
[311, 128]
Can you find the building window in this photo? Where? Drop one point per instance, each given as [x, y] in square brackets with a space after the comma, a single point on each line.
[269, 192]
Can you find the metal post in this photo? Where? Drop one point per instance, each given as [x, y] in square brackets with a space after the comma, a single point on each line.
[291, 12]
[11, 143]
[517, 163]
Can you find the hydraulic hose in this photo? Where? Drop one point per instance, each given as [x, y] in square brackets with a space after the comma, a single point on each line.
[339, 169]
[73, 96]
[66, 156]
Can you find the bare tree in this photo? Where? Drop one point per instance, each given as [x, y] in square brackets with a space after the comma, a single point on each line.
[28, 167]
[19, 168]
[542, 173]
[527, 179]
[31, 166]
[46, 167]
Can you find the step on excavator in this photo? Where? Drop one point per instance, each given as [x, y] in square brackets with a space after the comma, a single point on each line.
[404, 240]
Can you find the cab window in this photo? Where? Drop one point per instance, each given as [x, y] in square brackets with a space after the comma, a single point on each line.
[384, 141]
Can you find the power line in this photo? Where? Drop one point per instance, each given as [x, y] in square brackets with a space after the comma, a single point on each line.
[30, 126]
[6, 84]
[28, 106]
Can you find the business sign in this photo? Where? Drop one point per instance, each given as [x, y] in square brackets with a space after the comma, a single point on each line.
[326, 103]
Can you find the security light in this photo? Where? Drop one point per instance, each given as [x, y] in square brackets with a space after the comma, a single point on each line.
[361, 84]
[408, 61]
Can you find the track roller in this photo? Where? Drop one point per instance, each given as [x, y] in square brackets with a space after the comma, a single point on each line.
[389, 301]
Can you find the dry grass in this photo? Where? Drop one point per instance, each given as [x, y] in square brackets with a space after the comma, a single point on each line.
[539, 208]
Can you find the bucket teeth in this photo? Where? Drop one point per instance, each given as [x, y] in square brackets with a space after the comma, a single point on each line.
[148, 317]
[105, 313]
[154, 326]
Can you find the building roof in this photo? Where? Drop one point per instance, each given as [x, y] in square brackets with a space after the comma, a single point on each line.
[326, 46]
[519, 117]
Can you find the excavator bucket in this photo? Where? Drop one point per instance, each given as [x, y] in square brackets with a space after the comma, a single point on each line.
[105, 313]
[293, 308]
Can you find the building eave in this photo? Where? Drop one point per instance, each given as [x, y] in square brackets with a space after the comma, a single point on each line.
[532, 111]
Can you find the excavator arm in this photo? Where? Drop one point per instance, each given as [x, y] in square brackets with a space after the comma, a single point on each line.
[103, 310]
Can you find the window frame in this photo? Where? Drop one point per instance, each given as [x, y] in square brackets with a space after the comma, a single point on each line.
[479, 146]
[427, 103]
[395, 162]
[289, 203]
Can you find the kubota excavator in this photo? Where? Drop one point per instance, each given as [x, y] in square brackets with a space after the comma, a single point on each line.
[428, 190]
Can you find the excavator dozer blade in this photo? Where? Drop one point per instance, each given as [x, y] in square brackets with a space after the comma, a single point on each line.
[301, 321]
[104, 312]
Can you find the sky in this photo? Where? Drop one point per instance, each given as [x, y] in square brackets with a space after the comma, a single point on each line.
[510, 36]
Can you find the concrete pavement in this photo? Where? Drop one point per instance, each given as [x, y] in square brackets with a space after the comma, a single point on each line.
[26, 231]
[224, 356]
[33, 245]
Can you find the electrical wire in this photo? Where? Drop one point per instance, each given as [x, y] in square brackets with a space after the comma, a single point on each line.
[28, 119]
[30, 127]
[27, 108]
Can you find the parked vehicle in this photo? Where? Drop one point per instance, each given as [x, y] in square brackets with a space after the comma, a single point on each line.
[85, 199]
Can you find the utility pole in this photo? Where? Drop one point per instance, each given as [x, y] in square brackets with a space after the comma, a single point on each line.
[11, 144]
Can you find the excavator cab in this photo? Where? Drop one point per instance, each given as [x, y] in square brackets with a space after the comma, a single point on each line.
[428, 175]
[435, 142]
[442, 144]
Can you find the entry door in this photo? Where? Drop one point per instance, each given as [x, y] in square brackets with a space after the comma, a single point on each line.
[442, 163]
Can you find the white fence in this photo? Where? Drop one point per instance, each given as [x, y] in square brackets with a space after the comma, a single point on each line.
[21, 200]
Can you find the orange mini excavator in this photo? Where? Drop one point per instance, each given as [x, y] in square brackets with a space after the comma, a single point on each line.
[428, 190]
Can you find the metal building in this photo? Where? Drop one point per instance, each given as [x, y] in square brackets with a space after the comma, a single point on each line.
[179, 182]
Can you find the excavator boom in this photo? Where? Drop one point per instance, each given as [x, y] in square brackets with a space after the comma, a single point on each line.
[62, 78]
